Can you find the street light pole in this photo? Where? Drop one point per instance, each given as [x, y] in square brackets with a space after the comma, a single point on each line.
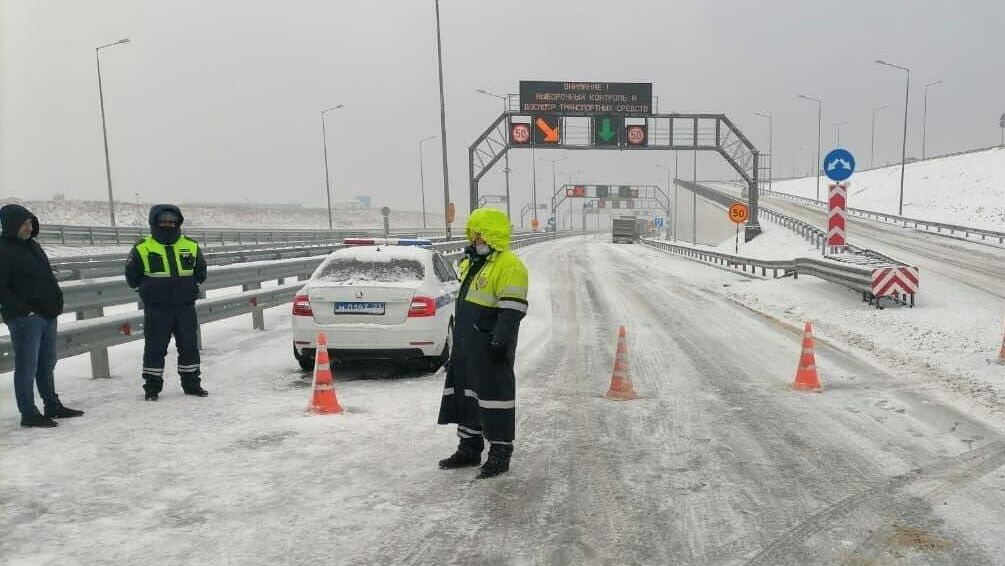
[771, 147]
[903, 148]
[667, 169]
[820, 111]
[676, 194]
[554, 186]
[924, 120]
[872, 150]
[443, 125]
[324, 145]
[506, 168]
[837, 127]
[104, 129]
[422, 180]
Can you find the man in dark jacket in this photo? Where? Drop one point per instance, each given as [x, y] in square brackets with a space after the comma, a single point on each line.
[30, 301]
[480, 390]
[167, 269]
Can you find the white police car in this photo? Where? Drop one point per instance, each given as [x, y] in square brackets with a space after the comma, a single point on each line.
[378, 300]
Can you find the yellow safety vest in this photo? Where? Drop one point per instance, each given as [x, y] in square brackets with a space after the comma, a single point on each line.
[501, 283]
[185, 252]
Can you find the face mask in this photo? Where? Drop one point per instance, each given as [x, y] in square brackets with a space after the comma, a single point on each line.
[482, 249]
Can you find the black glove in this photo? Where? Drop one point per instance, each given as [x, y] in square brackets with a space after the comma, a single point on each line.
[497, 353]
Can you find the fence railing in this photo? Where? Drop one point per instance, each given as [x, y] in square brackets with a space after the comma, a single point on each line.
[93, 332]
[121, 235]
[968, 232]
[857, 278]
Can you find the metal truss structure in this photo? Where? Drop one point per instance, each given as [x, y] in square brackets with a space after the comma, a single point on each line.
[666, 132]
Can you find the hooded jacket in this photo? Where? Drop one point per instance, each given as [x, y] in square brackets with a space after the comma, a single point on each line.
[27, 284]
[492, 301]
[180, 284]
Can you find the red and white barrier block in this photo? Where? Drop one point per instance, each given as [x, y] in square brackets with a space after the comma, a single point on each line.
[897, 282]
[837, 238]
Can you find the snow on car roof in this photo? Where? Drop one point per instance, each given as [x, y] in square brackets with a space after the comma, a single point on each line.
[382, 253]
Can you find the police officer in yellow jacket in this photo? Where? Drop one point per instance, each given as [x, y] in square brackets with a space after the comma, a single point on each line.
[480, 390]
[167, 269]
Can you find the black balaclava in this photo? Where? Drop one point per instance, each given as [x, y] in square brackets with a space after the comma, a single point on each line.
[166, 236]
[13, 216]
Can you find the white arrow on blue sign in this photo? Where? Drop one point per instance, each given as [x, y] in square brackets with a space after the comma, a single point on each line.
[658, 222]
[839, 165]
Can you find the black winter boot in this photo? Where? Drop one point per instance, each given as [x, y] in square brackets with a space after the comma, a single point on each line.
[150, 396]
[39, 421]
[493, 467]
[197, 391]
[62, 412]
[461, 459]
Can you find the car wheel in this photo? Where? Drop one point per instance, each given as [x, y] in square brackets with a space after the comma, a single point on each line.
[436, 362]
[306, 362]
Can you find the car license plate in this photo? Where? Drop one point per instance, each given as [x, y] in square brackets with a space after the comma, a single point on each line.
[359, 308]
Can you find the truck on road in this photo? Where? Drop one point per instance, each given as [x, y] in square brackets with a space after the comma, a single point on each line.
[624, 229]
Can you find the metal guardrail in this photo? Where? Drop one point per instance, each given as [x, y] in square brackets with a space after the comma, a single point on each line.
[105, 265]
[857, 278]
[93, 332]
[120, 235]
[855, 255]
[907, 222]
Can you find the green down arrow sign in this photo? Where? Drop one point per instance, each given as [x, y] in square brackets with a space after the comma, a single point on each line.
[605, 131]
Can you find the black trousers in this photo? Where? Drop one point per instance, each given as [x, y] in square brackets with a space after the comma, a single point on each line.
[159, 325]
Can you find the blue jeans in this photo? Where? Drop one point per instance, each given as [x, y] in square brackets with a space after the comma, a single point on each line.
[34, 340]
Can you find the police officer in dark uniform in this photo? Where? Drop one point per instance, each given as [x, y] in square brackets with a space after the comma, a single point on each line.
[167, 269]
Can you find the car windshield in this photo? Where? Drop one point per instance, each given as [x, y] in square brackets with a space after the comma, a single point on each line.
[352, 271]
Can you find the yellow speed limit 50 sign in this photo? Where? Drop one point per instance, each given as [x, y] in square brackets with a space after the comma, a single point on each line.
[738, 212]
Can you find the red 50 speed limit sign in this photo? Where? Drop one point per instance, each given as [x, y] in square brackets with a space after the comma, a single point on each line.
[738, 212]
[520, 133]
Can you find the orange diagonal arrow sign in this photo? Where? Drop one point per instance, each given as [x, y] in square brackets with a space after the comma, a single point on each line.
[550, 134]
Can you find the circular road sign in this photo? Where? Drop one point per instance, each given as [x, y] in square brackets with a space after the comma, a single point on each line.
[520, 133]
[738, 212]
[534, 223]
[636, 135]
[451, 213]
[839, 165]
[385, 211]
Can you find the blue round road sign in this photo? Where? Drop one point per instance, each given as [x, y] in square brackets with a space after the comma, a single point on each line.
[839, 165]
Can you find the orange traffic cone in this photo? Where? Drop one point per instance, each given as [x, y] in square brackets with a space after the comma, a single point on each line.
[621, 381]
[806, 374]
[1001, 353]
[323, 399]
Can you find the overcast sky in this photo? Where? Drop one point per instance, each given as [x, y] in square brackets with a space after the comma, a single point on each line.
[220, 100]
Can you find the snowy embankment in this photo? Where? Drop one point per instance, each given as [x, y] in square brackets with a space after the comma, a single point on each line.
[966, 189]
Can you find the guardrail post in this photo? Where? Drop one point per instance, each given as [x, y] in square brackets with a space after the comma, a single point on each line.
[90, 233]
[99, 357]
[257, 314]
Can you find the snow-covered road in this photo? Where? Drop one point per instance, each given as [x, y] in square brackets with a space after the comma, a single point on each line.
[719, 463]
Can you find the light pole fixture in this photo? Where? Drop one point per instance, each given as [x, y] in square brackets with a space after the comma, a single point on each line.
[837, 130]
[669, 171]
[771, 146]
[903, 148]
[820, 111]
[872, 151]
[554, 184]
[506, 169]
[324, 147]
[924, 120]
[443, 127]
[104, 129]
[422, 180]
